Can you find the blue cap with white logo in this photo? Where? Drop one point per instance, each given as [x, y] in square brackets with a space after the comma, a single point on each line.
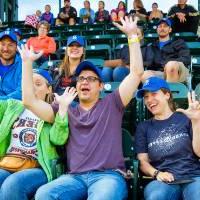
[76, 38]
[87, 65]
[152, 84]
[45, 74]
[9, 34]
[166, 21]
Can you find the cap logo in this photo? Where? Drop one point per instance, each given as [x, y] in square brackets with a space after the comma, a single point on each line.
[146, 83]
[74, 37]
[7, 32]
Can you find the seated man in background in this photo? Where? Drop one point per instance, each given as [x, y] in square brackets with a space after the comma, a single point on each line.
[10, 67]
[42, 42]
[166, 57]
[185, 18]
[67, 14]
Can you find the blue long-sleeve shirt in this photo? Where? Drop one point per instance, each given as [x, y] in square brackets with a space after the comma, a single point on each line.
[10, 80]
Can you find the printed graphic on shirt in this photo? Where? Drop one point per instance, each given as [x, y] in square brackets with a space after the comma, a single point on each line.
[24, 135]
[167, 139]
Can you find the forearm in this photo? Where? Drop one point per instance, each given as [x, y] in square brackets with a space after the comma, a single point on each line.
[27, 83]
[136, 60]
[113, 63]
[147, 168]
[196, 137]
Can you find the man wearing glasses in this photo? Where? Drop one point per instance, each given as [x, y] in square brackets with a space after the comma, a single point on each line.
[94, 148]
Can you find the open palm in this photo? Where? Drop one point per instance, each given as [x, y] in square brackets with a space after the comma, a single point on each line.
[67, 97]
[29, 54]
[129, 27]
[193, 111]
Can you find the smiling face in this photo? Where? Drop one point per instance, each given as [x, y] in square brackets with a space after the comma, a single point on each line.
[88, 91]
[156, 102]
[163, 30]
[41, 87]
[8, 50]
[75, 51]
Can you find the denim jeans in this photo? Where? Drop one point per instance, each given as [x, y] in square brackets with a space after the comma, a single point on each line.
[21, 185]
[157, 190]
[94, 185]
[117, 74]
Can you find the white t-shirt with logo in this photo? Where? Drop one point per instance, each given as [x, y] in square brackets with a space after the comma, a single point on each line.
[24, 135]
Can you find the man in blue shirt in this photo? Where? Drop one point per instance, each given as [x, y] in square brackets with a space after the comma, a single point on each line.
[10, 67]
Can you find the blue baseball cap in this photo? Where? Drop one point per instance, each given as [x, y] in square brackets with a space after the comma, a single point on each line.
[45, 74]
[17, 31]
[9, 34]
[76, 38]
[152, 84]
[87, 65]
[166, 21]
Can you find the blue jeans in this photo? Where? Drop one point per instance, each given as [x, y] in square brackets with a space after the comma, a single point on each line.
[117, 74]
[94, 185]
[21, 185]
[157, 190]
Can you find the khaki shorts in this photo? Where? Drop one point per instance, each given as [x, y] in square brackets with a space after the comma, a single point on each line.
[183, 73]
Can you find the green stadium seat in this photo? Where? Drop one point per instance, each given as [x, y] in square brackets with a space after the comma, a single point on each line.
[113, 30]
[97, 61]
[194, 47]
[99, 39]
[197, 91]
[120, 39]
[186, 36]
[92, 31]
[99, 51]
[50, 64]
[150, 37]
[195, 69]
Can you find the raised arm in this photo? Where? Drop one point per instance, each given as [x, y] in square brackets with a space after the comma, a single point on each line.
[193, 113]
[131, 82]
[42, 109]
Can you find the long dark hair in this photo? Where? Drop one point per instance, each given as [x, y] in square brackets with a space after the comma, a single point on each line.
[171, 102]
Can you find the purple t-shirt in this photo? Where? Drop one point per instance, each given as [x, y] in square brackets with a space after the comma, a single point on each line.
[95, 141]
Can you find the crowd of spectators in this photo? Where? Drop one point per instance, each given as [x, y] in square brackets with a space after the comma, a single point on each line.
[34, 121]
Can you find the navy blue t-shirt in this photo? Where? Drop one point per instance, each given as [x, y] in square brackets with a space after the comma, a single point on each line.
[169, 145]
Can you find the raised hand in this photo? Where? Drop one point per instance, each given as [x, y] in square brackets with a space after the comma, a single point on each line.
[193, 111]
[129, 27]
[65, 100]
[28, 54]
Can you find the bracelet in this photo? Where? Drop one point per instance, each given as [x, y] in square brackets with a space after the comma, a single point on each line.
[133, 40]
[155, 174]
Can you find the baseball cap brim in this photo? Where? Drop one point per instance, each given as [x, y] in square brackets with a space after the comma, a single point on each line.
[11, 36]
[86, 65]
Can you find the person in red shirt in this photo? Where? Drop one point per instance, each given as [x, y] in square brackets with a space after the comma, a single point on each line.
[42, 42]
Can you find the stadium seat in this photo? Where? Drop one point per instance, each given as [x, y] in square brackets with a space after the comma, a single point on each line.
[99, 51]
[186, 36]
[195, 69]
[97, 61]
[100, 39]
[150, 37]
[120, 39]
[194, 48]
[92, 31]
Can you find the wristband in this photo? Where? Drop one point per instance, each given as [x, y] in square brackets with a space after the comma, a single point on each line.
[133, 40]
[155, 174]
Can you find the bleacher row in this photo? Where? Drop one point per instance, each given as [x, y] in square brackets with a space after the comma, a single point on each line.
[102, 42]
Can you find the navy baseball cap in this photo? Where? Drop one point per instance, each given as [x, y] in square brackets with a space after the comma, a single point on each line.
[76, 38]
[45, 74]
[87, 65]
[166, 21]
[9, 34]
[152, 84]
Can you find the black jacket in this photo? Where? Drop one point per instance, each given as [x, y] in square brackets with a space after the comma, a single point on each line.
[155, 58]
[72, 14]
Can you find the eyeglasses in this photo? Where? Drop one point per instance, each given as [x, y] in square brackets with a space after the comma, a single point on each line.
[89, 79]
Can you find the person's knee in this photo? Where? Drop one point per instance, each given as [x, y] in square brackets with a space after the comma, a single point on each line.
[172, 67]
[42, 193]
[119, 73]
[107, 74]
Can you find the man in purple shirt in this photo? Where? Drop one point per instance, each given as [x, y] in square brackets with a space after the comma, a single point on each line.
[94, 149]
